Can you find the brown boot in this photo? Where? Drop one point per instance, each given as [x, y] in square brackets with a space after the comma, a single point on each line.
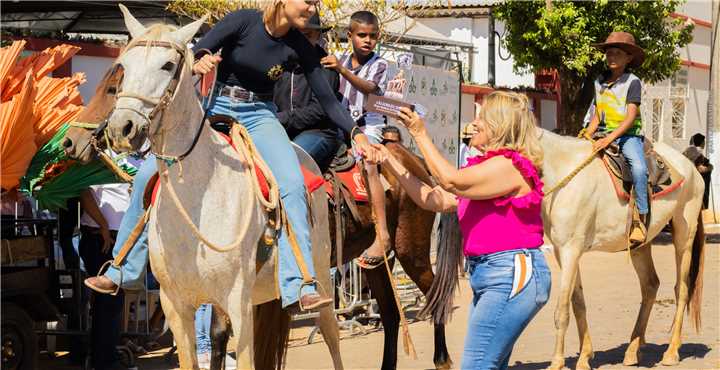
[638, 233]
[101, 284]
[309, 303]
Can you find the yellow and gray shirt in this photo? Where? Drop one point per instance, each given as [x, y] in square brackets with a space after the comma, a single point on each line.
[612, 98]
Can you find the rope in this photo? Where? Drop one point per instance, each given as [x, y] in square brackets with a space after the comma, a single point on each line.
[572, 174]
[408, 345]
[248, 151]
[240, 135]
[84, 124]
[565, 180]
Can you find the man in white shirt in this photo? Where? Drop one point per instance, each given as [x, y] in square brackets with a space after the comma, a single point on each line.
[103, 209]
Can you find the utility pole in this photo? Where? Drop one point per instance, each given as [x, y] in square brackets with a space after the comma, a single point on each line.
[713, 120]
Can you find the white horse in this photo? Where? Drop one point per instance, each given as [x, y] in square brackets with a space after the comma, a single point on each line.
[586, 215]
[214, 186]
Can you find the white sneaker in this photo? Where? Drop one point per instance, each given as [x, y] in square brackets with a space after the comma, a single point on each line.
[230, 363]
[204, 360]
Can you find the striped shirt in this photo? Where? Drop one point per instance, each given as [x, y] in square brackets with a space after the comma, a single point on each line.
[374, 70]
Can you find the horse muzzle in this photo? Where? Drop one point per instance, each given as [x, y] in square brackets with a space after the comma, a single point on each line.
[126, 130]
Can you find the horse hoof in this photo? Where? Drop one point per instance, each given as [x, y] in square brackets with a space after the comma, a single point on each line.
[557, 365]
[670, 359]
[583, 365]
[445, 365]
[631, 359]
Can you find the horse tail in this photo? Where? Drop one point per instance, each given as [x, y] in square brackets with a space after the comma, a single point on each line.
[695, 284]
[272, 332]
[449, 261]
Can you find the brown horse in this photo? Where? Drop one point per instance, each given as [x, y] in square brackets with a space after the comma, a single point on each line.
[410, 231]
[78, 138]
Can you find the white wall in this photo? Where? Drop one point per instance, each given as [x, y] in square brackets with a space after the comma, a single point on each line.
[548, 114]
[700, 9]
[467, 109]
[94, 69]
[475, 31]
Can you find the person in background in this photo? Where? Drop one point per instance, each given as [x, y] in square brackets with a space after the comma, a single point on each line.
[695, 154]
[103, 209]
[299, 109]
[364, 72]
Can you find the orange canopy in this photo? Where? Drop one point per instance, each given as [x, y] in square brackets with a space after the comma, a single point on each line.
[34, 105]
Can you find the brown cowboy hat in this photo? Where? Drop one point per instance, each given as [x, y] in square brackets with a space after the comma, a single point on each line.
[626, 42]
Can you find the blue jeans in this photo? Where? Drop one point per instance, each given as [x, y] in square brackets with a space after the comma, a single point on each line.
[632, 148]
[322, 145]
[133, 269]
[496, 319]
[203, 317]
[274, 145]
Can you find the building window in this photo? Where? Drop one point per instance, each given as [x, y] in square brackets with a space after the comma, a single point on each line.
[678, 118]
[679, 97]
[656, 119]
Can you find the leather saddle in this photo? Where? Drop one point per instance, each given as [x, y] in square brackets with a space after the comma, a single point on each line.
[662, 178]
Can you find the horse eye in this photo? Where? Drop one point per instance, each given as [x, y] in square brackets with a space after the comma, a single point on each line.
[169, 66]
[111, 90]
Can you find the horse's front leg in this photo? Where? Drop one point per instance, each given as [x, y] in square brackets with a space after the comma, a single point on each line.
[181, 319]
[580, 311]
[568, 257]
[649, 284]
[327, 323]
[389, 314]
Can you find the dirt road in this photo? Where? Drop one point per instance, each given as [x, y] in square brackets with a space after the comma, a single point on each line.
[612, 295]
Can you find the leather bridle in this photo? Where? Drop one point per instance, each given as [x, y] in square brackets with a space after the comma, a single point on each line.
[160, 104]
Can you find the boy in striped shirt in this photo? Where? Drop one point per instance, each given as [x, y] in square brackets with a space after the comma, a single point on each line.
[364, 72]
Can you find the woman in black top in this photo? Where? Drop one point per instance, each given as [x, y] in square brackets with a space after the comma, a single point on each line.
[256, 48]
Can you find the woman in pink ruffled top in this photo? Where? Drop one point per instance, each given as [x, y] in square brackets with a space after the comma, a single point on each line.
[498, 198]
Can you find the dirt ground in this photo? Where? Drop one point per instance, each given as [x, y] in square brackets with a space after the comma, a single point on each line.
[612, 295]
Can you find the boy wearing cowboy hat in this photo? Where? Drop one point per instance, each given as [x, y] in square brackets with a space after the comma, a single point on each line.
[617, 103]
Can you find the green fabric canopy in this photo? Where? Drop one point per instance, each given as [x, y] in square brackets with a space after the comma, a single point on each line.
[52, 178]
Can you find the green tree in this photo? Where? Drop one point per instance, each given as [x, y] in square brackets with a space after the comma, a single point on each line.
[560, 35]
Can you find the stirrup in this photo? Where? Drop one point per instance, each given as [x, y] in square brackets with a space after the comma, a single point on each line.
[317, 285]
[100, 273]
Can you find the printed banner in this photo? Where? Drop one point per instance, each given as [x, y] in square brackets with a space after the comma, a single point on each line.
[438, 92]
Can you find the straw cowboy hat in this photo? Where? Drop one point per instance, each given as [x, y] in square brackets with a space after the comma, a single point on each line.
[626, 42]
[467, 132]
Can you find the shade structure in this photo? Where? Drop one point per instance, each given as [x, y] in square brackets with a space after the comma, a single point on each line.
[52, 178]
[34, 105]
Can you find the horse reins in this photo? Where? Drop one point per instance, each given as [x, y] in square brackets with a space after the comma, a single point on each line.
[565, 180]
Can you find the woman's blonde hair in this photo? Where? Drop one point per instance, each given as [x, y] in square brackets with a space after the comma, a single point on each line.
[510, 124]
[270, 9]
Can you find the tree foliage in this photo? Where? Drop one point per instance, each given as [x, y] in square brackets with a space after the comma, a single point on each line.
[561, 37]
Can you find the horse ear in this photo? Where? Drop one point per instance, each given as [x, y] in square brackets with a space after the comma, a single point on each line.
[185, 34]
[133, 25]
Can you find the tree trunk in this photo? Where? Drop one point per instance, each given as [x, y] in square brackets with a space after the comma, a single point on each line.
[576, 93]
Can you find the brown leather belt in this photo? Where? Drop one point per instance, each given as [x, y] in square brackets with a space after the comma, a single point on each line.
[241, 94]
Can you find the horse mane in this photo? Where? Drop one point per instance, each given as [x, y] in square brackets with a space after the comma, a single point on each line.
[411, 161]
